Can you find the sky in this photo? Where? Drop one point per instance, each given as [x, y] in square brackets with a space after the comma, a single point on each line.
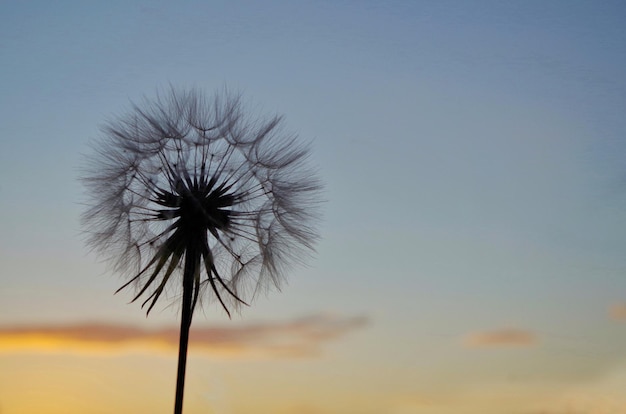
[471, 257]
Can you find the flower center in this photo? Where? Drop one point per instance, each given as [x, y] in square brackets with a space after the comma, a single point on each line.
[203, 209]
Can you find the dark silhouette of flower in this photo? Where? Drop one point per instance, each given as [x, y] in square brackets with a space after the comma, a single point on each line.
[189, 192]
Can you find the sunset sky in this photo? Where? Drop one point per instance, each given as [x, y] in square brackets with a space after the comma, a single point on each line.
[472, 258]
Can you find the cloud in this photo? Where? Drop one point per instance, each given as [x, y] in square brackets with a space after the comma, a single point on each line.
[301, 337]
[617, 312]
[500, 338]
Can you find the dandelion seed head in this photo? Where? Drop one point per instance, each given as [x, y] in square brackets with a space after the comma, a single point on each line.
[184, 177]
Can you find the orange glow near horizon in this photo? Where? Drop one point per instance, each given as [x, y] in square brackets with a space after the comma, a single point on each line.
[45, 344]
[61, 383]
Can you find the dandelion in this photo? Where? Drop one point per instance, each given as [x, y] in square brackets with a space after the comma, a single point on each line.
[188, 192]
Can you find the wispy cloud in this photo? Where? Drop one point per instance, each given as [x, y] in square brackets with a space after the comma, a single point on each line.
[296, 338]
[617, 312]
[500, 338]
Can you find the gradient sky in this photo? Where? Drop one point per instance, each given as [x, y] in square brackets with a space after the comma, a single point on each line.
[472, 254]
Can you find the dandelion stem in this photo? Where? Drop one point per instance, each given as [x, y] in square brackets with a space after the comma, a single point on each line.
[191, 265]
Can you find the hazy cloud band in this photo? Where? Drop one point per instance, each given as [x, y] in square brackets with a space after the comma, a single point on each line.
[297, 338]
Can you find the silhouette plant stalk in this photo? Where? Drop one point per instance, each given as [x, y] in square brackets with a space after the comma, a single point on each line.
[192, 263]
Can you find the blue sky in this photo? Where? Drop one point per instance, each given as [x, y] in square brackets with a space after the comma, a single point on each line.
[472, 154]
